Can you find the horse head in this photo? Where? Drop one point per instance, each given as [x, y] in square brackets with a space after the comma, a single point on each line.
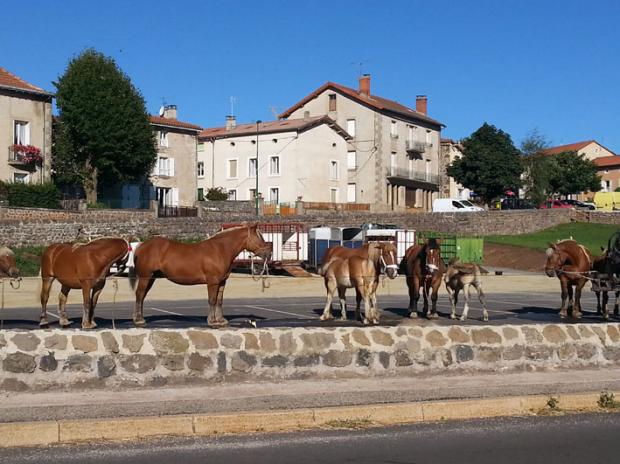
[432, 249]
[8, 266]
[388, 259]
[255, 243]
[556, 258]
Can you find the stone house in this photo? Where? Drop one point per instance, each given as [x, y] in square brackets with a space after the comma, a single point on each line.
[609, 170]
[25, 130]
[449, 187]
[295, 158]
[174, 176]
[394, 154]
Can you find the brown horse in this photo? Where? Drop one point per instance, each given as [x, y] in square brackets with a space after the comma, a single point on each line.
[8, 267]
[82, 266]
[361, 273]
[341, 252]
[208, 262]
[423, 267]
[571, 263]
[601, 266]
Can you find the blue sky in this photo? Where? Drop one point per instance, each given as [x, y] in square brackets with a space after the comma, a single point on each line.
[520, 65]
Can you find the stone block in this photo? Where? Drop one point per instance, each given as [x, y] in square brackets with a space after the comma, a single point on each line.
[2, 341]
[48, 363]
[586, 351]
[13, 385]
[173, 362]
[288, 345]
[138, 363]
[106, 367]
[168, 342]
[78, 363]
[203, 340]
[554, 334]
[26, 341]
[221, 363]
[538, 352]
[381, 338]
[510, 333]
[363, 358]
[567, 352]
[402, 358]
[267, 342]
[306, 361]
[486, 336]
[513, 353]
[197, 362]
[458, 335]
[572, 332]
[19, 363]
[109, 342]
[612, 353]
[275, 361]
[335, 358]
[585, 332]
[600, 333]
[231, 341]
[317, 342]
[242, 361]
[531, 335]
[464, 353]
[251, 341]
[446, 357]
[613, 333]
[384, 359]
[84, 343]
[436, 338]
[486, 354]
[133, 343]
[359, 337]
[415, 332]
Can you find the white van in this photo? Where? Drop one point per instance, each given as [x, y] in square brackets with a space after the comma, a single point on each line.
[454, 205]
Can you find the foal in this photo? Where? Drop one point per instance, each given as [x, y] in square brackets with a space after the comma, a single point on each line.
[463, 276]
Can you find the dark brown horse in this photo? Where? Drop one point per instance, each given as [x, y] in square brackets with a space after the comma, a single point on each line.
[571, 263]
[423, 267]
[8, 267]
[208, 262]
[601, 266]
[78, 265]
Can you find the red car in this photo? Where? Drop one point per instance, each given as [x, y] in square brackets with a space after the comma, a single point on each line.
[549, 204]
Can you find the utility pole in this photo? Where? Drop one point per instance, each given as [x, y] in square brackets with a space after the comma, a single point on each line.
[257, 168]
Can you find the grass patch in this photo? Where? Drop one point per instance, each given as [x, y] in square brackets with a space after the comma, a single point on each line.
[358, 423]
[606, 400]
[28, 260]
[592, 236]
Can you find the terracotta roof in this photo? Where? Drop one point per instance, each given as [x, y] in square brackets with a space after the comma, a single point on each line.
[270, 127]
[11, 81]
[159, 121]
[605, 161]
[374, 101]
[570, 147]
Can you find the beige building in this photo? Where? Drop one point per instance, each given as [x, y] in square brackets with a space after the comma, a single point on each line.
[609, 170]
[297, 158]
[590, 148]
[450, 150]
[174, 175]
[25, 130]
[393, 156]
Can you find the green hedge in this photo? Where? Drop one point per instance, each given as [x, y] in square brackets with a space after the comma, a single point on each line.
[31, 195]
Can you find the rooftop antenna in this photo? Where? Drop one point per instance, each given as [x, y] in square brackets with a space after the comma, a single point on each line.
[162, 108]
[232, 105]
[360, 66]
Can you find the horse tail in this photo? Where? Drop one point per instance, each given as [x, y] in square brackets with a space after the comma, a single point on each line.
[483, 270]
[322, 268]
[131, 273]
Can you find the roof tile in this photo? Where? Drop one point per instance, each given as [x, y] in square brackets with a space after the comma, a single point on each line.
[159, 121]
[11, 81]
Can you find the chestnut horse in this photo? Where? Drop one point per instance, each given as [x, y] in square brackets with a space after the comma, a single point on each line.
[80, 265]
[361, 273]
[207, 262]
[342, 252]
[571, 263]
[423, 267]
[8, 267]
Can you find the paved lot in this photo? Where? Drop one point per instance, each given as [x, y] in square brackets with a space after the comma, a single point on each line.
[519, 307]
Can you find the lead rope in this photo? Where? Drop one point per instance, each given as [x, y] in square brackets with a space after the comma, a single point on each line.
[262, 275]
[115, 287]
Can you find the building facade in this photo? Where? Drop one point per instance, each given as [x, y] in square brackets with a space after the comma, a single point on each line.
[591, 149]
[609, 169]
[290, 160]
[450, 150]
[25, 130]
[393, 156]
[174, 177]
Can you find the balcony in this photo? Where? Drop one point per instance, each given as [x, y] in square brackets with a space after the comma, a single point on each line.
[24, 156]
[413, 146]
[406, 174]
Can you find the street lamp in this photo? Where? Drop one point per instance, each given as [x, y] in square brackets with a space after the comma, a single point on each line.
[257, 169]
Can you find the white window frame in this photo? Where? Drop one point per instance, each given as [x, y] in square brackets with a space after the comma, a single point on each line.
[277, 189]
[20, 178]
[352, 160]
[271, 173]
[201, 146]
[200, 169]
[163, 138]
[334, 170]
[232, 194]
[26, 135]
[393, 163]
[394, 129]
[349, 189]
[250, 160]
[228, 160]
[351, 127]
[250, 194]
[336, 196]
[164, 166]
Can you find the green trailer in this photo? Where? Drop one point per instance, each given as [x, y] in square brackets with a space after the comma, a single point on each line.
[467, 249]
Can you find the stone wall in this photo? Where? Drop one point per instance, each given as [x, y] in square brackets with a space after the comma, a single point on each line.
[41, 359]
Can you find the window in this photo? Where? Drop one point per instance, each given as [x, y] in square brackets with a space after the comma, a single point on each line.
[232, 195]
[232, 169]
[164, 167]
[428, 138]
[351, 127]
[20, 178]
[393, 130]
[274, 194]
[410, 133]
[457, 205]
[332, 102]
[21, 133]
[351, 193]
[333, 170]
[163, 138]
[427, 169]
[252, 194]
[201, 146]
[274, 165]
[333, 195]
[252, 163]
[351, 160]
[201, 194]
[167, 196]
[200, 169]
[393, 164]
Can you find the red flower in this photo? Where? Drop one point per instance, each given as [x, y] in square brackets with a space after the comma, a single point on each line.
[28, 154]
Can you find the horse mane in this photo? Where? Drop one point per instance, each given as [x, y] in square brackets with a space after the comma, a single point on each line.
[77, 245]
[6, 251]
[374, 252]
[225, 231]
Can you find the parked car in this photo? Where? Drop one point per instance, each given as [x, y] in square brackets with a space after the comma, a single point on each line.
[454, 205]
[577, 204]
[516, 203]
[554, 204]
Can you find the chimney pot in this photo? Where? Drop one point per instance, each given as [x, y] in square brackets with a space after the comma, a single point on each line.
[364, 87]
[170, 111]
[421, 104]
[231, 122]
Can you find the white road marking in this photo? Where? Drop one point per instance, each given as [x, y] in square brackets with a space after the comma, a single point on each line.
[281, 312]
[166, 311]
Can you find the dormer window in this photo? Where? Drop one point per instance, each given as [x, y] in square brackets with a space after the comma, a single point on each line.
[332, 102]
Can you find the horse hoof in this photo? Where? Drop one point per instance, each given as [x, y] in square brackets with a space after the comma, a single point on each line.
[139, 323]
[413, 315]
[375, 321]
[485, 319]
[326, 318]
[366, 321]
[463, 319]
[453, 316]
[65, 323]
[433, 316]
[44, 323]
[577, 315]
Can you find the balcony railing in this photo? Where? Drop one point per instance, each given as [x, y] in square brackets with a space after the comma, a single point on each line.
[413, 146]
[24, 156]
[413, 175]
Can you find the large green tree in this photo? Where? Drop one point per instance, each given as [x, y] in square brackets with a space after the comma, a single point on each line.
[103, 131]
[537, 167]
[573, 173]
[490, 163]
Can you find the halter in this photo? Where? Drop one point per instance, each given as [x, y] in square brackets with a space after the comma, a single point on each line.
[558, 270]
[387, 266]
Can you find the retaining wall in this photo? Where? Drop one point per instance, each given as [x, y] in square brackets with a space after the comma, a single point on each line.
[42, 359]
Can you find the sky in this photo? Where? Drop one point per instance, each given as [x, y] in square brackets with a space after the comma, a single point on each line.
[550, 66]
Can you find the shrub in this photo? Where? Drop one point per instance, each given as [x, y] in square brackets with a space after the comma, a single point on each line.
[31, 195]
[216, 194]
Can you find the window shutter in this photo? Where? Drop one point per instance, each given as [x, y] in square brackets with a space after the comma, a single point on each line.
[156, 168]
[27, 134]
[175, 196]
[171, 167]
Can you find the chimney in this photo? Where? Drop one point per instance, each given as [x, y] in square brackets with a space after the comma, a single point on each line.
[170, 111]
[421, 103]
[365, 84]
[231, 122]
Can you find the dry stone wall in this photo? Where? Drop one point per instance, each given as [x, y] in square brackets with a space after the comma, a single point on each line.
[42, 359]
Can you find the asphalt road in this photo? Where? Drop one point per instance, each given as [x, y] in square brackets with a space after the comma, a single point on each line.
[578, 439]
[504, 308]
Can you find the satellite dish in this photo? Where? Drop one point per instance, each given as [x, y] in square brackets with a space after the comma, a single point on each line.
[161, 110]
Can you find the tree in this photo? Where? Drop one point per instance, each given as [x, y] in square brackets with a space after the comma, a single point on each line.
[537, 167]
[490, 164]
[104, 135]
[573, 173]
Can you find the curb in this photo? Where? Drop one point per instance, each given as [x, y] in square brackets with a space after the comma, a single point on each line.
[87, 430]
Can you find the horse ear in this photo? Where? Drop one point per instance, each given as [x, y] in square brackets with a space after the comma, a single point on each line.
[602, 248]
[552, 245]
